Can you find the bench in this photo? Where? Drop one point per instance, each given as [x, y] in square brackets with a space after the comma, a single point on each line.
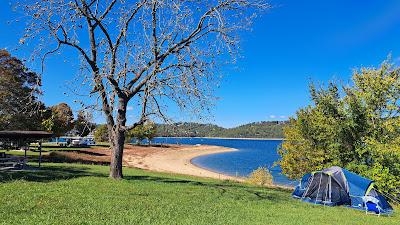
[13, 162]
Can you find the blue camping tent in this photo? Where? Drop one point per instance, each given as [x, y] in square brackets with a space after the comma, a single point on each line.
[338, 186]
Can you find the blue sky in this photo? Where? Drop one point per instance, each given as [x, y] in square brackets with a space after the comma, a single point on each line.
[297, 41]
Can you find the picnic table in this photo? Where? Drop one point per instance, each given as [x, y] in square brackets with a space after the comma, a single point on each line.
[11, 162]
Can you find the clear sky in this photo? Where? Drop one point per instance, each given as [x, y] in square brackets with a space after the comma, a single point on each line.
[297, 41]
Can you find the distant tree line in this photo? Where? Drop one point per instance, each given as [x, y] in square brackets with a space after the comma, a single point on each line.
[20, 108]
[354, 126]
[146, 131]
[265, 129]
[149, 130]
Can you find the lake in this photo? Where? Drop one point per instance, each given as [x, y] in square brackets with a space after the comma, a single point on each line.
[251, 155]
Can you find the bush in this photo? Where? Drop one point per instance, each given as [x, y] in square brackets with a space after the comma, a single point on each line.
[83, 157]
[260, 176]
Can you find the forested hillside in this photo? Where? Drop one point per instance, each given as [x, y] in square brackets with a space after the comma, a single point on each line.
[265, 129]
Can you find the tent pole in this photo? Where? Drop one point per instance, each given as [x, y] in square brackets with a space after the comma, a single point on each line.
[326, 190]
[330, 189]
[319, 187]
[308, 187]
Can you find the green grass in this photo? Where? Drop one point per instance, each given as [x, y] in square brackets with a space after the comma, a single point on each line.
[83, 194]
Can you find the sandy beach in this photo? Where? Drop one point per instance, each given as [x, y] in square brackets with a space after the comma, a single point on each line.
[167, 158]
[174, 159]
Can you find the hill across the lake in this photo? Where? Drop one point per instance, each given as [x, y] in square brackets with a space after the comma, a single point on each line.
[265, 129]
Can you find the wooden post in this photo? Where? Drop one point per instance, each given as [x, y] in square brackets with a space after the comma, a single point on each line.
[40, 152]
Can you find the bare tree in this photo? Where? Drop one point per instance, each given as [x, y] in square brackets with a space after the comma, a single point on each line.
[148, 51]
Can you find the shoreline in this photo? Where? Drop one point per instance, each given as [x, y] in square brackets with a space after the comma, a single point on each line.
[179, 161]
[230, 138]
[239, 178]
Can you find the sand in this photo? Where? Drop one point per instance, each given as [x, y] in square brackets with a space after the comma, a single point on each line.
[175, 159]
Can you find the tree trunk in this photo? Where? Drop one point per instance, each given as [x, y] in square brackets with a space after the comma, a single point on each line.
[117, 151]
[117, 141]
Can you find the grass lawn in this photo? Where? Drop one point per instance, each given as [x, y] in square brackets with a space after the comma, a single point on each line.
[82, 194]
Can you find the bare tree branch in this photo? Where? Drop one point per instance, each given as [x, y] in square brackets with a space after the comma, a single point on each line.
[144, 51]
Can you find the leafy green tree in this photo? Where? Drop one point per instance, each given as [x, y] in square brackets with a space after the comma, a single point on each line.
[138, 133]
[48, 121]
[61, 119]
[101, 133]
[83, 123]
[150, 131]
[19, 106]
[141, 132]
[356, 127]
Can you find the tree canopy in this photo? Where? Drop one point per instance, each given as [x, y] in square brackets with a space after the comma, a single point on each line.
[146, 131]
[146, 51]
[83, 123]
[355, 126]
[20, 108]
[60, 119]
[101, 133]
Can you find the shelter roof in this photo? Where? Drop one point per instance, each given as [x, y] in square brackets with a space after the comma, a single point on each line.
[22, 134]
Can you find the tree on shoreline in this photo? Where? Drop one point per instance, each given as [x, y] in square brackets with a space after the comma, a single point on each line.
[149, 52]
[147, 131]
[357, 127]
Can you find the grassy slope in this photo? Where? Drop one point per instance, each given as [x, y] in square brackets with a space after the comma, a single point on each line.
[82, 194]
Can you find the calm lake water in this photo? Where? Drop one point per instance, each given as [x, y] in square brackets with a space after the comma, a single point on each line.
[251, 155]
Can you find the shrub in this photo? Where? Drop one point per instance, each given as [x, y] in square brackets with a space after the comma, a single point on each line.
[83, 157]
[260, 176]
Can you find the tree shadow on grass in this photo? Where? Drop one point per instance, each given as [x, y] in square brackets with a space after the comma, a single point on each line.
[47, 174]
[226, 189]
